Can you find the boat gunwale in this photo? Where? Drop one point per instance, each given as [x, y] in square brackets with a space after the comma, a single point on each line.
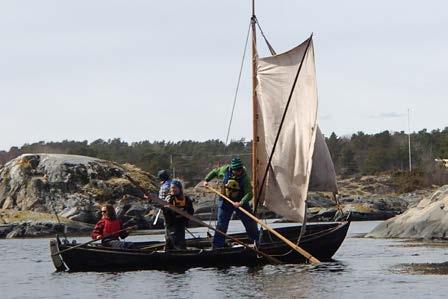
[264, 246]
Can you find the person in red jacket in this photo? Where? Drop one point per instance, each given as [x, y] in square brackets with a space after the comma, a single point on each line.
[109, 229]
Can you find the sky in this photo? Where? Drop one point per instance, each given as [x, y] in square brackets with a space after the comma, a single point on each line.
[167, 70]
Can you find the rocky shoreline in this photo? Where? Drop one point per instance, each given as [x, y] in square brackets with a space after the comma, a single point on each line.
[16, 224]
[365, 198]
[33, 187]
[426, 220]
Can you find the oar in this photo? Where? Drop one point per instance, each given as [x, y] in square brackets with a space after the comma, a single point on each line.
[157, 217]
[197, 220]
[191, 234]
[300, 250]
[200, 222]
[153, 246]
[186, 229]
[94, 240]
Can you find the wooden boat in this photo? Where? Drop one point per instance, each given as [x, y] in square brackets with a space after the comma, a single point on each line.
[289, 158]
[322, 239]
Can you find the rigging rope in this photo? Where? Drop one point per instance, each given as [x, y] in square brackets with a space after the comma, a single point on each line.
[237, 85]
[265, 39]
[213, 212]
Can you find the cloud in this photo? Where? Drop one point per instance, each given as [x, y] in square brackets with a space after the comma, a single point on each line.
[388, 115]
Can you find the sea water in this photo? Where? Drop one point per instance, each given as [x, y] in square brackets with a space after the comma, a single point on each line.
[362, 268]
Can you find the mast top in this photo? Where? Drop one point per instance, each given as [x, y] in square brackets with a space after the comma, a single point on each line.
[253, 8]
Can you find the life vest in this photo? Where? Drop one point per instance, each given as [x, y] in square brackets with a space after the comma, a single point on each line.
[111, 227]
[178, 202]
[233, 190]
[229, 176]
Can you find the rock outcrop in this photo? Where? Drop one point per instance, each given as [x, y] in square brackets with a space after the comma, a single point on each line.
[74, 187]
[364, 198]
[26, 224]
[359, 208]
[427, 220]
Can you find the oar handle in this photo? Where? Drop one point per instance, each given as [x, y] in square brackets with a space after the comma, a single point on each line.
[300, 250]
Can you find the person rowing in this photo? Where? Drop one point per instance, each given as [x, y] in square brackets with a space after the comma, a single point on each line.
[237, 185]
[110, 229]
[175, 224]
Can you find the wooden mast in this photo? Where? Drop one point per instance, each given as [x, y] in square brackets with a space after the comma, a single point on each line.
[254, 108]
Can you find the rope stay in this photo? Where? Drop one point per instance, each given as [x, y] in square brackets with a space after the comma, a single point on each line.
[235, 97]
[271, 49]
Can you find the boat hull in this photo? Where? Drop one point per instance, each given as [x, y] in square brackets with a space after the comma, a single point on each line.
[321, 240]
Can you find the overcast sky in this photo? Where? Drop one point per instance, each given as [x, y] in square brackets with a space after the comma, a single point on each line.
[167, 70]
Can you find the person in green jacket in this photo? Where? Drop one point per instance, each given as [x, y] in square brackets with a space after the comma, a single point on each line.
[238, 187]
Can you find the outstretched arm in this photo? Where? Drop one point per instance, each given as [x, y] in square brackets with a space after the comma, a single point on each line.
[218, 172]
[212, 174]
[98, 230]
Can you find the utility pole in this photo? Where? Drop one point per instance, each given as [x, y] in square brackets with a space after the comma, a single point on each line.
[173, 171]
[409, 142]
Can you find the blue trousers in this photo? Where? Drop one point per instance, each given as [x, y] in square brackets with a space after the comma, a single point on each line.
[225, 211]
[117, 244]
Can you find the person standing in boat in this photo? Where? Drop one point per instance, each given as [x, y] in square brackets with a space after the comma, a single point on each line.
[238, 186]
[110, 229]
[165, 183]
[174, 223]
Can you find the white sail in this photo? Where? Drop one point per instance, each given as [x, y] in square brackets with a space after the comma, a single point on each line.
[286, 186]
[323, 175]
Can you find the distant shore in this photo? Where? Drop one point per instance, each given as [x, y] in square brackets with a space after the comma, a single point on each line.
[365, 198]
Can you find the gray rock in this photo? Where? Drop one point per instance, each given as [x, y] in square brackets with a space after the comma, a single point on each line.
[359, 209]
[321, 202]
[137, 209]
[69, 212]
[74, 186]
[16, 232]
[84, 216]
[427, 220]
[32, 229]
[5, 230]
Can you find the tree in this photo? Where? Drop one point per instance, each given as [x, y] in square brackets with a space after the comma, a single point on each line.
[348, 163]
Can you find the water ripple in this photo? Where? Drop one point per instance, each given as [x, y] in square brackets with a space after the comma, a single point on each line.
[362, 268]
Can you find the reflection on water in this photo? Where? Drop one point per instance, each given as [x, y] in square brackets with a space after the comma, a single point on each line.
[365, 268]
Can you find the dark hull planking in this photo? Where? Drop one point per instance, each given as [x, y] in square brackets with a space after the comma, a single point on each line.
[322, 240]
